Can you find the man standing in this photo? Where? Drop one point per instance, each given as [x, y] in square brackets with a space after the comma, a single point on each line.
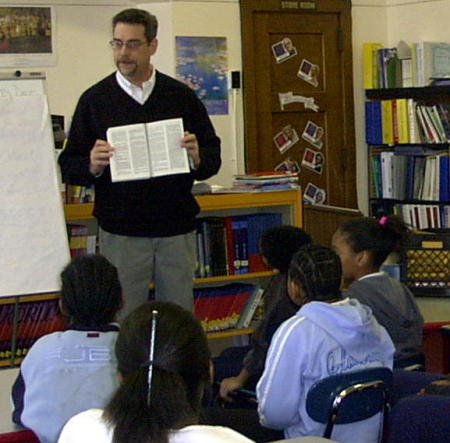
[146, 227]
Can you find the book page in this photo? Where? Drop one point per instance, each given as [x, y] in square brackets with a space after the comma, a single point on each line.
[130, 160]
[166, 154]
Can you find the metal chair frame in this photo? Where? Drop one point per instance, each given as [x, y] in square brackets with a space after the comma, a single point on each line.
[338, 390]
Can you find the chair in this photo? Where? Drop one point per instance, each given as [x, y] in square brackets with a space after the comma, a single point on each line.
[350, 397]
[415, 362]
[19, 436]
[420, 419]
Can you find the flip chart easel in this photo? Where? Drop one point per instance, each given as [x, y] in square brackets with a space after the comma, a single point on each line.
[33, 239]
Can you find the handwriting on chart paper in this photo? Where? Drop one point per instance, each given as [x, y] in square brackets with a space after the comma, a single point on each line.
[289, 97]
[21, 88]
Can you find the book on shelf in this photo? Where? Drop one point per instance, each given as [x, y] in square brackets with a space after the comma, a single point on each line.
[230, 245]
[146, 150]
[389, 68]
[444, 183]
[257, 225]
[405, 56]
[266, 181]
[229, 240]
[377, 189]
[405, 65]
[373, 121]
[432, 60]
[404, 121]
[266, 175]
[254, 188]
[242, 243]
[387, 124]
[6, 328]
[410, 173]
[219, 308]
[386, 173]
[214, 246]
[78, 238]
[250, 308]
[370, 65]
[413, 130]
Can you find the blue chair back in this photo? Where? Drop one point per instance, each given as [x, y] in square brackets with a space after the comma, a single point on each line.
[349, 397]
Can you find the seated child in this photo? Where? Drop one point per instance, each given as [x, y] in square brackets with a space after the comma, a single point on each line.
[67, 372]
[164, 363]
[328, 336]
[277, 245]
[363, 244]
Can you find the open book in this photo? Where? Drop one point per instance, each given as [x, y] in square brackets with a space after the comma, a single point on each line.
[147, 150]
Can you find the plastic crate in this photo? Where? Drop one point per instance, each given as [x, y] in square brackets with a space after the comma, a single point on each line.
[426, 264]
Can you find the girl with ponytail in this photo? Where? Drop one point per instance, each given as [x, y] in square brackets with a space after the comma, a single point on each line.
[164, 363]
[363, 244]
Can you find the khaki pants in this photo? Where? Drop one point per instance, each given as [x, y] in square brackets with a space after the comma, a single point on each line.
[167, 261]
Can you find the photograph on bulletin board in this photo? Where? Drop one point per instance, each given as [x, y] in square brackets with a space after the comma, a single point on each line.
[27, 37]
[202, 63]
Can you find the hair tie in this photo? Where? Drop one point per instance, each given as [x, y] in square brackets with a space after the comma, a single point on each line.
[150, 356]
[383, 221]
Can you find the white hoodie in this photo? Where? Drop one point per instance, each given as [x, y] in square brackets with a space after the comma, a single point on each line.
[320, 340]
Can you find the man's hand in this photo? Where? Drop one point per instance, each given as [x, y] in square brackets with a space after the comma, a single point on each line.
[99, 156]
[190, 143]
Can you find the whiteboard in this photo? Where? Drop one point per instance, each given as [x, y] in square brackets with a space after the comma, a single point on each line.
[33, 240]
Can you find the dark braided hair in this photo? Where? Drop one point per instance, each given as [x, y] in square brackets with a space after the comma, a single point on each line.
[180, 372]
[380, 237]
[317, 269]
[279, 243]
[91, 293]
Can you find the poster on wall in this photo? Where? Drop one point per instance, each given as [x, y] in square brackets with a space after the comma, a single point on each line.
[27, 36]
[202, 63]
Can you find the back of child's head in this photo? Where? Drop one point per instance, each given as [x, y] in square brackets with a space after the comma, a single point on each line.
[317, 270]
[279, 243]
[180, 372]
[380, 236]
[91, 293]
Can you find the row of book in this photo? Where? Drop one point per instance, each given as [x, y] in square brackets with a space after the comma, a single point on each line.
[411, 176]
[225, 307]
[404, 65]
[230, 245]
[422, 216]
[78, 194]
[402, 120]
[80, 241]
[229, 306]
[267, 181]
[35, 319]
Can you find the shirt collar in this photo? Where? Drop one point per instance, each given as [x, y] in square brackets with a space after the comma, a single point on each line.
[374, 274]
[141, 95]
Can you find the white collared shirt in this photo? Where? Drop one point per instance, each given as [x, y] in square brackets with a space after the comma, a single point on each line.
[140, 94]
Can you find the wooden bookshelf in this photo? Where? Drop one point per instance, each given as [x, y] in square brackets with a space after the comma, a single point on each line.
[220, 202]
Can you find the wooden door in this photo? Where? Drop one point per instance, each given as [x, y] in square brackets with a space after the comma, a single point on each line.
[298, 96]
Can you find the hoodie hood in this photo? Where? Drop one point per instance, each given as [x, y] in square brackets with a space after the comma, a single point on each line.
[353, 326]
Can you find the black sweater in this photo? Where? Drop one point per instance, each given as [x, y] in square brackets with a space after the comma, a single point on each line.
[157, 207]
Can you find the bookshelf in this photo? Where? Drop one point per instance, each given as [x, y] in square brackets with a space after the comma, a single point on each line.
[287, 203]
[408, 154]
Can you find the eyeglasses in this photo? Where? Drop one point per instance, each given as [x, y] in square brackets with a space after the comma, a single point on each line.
[130, 44]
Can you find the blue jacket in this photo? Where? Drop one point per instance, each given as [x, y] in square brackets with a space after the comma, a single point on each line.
[63, 374]
[320, 340]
